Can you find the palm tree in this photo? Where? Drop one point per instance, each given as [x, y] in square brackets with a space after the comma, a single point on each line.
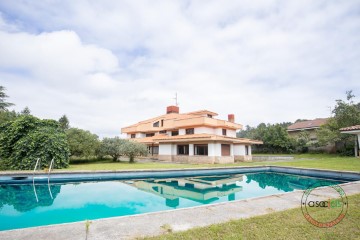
[3, 96]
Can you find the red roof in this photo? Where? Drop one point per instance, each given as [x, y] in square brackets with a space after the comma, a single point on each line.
[311, 124]
[351, 128]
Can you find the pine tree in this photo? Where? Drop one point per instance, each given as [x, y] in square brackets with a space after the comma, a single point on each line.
[3, 104]
[64, 122]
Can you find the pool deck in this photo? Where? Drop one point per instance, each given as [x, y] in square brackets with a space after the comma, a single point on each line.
[150, 224]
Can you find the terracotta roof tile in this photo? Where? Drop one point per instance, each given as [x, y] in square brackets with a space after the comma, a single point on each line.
[316, 123]
[194, 137]
[351, 128]
[180, 120]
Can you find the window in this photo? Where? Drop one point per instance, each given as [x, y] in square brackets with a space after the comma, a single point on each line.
[224, 132]
[174, 133]
[133, 135]
[201, 150]
[162, 132]
[225, 149]
[189, 131]
[246, 150]
[183, 149]
[156, 124]
[150, 134]
[155, 149]
[162, 123]
[209, 116]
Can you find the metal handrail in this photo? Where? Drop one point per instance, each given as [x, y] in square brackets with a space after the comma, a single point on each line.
[37, 163]
[49, 171]
[51, 165]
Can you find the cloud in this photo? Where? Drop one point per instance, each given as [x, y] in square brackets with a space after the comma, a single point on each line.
[110, 64]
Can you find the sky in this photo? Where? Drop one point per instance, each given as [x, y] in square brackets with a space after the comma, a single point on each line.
[109, 64]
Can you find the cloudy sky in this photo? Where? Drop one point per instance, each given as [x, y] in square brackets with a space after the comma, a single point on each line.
[107, 64]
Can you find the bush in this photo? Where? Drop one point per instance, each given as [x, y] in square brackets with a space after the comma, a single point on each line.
[116, 147]
[112, 147]
[27, 138]
[82, 143]
[134, 149]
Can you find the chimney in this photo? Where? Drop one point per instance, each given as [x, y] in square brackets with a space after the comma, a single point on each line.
[172, 109]
[231, 118]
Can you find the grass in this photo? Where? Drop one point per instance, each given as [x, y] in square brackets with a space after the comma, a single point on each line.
[320, 161]
[289, 224]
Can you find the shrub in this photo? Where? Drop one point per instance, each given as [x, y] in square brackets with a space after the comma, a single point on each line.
[27, 138]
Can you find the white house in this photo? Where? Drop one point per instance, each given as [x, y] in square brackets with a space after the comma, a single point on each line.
[194, 137]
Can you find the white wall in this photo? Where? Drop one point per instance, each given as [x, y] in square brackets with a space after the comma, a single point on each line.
[182, 131]
[173, 149]
[165, 149]
[231, 133]
[214, 149]
[207, 130]
[140, 135]
[218, 131]
[239, 150]
[191, 149]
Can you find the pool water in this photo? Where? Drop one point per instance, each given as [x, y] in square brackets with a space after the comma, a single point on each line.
[28, 205]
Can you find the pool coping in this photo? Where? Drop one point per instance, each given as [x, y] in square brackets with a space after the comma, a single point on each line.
[4, 173]
[70, 176]
[130, 227]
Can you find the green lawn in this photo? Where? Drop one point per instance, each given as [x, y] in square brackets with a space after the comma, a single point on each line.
[289, 224]
[321, 161]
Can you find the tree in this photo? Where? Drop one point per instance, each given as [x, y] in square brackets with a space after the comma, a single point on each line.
[3, 103]
[82, 143]
[134, 149]
[345, 114]
[274, 137]
[26, 111]
[7, 115]
[112, 147]
[302, 141]
[27, 138]
[116, 147]
[64, 122]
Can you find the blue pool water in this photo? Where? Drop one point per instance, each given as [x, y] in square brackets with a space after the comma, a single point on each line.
[70, 202]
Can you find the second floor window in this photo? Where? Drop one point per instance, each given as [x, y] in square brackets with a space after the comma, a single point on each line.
[174, 133]
[162, 132]
[150, 134]
[156, 124]
[189, 131]
[133, 135]
[224, 132]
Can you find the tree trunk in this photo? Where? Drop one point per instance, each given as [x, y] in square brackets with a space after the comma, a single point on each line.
[131, 158]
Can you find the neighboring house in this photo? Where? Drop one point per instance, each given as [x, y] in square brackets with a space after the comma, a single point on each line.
[194, 137]
[356, 131]
[309, 126]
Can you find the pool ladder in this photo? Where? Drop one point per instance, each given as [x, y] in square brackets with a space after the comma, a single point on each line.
[38, 161]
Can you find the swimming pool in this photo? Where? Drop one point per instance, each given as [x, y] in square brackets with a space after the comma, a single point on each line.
[26, 205]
